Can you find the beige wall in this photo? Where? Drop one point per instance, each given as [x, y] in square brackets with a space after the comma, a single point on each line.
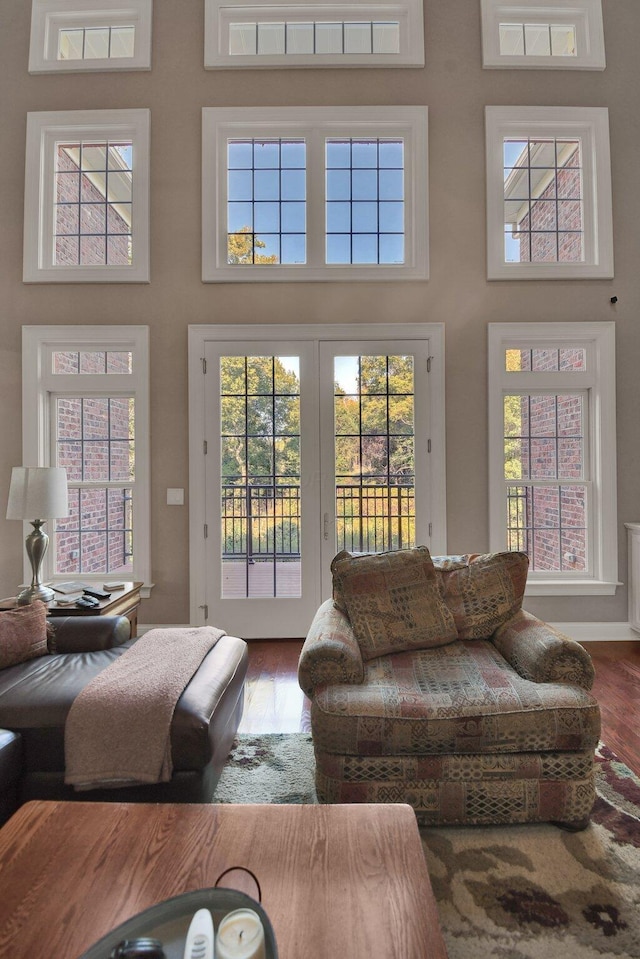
[456, 89]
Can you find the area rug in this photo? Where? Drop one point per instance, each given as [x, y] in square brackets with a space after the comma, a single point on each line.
[508, 892]
[275, 768]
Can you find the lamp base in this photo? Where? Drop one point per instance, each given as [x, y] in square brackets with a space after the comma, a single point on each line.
[31, 593]
[36, 544]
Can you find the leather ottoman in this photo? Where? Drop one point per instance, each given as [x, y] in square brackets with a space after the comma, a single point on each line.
[36, 696]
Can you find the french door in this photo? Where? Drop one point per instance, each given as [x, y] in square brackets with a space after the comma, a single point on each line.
[310, 446]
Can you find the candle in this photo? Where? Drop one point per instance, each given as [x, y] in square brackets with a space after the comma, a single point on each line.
[240, 936]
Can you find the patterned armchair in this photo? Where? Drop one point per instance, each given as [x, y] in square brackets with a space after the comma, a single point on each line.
[430, 685]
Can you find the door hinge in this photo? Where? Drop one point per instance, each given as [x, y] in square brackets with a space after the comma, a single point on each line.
[430, 530]
[206, 610]
[206, 530]
[428, 446]
[204, 364]
[429, 358]
[205, 448]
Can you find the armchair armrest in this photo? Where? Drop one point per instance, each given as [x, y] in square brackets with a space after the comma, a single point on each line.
[86, 634]
[541, 653]
[330, 653]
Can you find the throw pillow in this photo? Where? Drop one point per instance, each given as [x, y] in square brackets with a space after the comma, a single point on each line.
[393, 601]
[23, 634]
[483, 591]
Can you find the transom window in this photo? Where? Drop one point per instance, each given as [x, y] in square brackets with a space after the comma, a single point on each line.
[538, 40]
[87, 196]
[552, 436]
[290, 37]
[95, 43]
[85, 35]
[88, 362]
[298, 33]
[548, 193]
[363, 206]
[543, 34]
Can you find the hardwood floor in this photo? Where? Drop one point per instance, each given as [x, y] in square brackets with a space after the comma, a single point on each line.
[274, 703]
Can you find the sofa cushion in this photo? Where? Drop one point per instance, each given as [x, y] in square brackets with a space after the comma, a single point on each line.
[393, 601]
[463, 698]
[483, 591]
[23, 634]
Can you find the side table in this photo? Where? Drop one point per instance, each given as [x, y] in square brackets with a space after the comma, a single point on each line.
[122, 602]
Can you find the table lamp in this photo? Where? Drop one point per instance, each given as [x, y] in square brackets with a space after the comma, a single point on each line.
[37, 491]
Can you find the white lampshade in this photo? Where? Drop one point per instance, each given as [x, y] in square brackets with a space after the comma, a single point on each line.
[38, 492]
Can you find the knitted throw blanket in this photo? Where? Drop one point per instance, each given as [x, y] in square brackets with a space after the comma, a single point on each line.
[117, 731]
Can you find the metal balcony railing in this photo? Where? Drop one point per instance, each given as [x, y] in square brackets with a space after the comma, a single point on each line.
[263, 521]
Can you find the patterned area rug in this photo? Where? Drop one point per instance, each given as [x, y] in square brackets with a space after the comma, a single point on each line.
[508, 892]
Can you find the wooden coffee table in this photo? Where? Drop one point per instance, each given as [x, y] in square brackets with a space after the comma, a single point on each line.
[337, 881]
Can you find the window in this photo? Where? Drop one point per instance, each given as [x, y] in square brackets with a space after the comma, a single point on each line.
[552, 452]
[315, 193]
[548, 193]
[68, 36]
[87, 197]
[543, 35]
[86, 408]
[300, 33]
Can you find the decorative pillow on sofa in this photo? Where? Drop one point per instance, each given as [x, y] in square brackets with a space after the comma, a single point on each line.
[393, 601]
[483, 591]
[23, 634]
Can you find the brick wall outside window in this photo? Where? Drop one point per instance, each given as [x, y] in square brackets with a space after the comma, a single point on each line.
[94, 437]
[553, 229]
[89, 231]
[552, 428]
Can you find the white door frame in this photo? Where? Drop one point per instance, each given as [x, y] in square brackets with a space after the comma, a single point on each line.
[198, 335]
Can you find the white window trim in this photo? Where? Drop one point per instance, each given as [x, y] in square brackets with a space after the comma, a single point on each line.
[598, 339]
[219, 14]
[38, 386]
[43, 131]
[585, 15]
[314, 124]
[199, 335]
[591, 125]
[48, 16]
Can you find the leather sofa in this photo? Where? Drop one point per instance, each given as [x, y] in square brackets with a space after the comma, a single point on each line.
[36, 695]
[10, 771]
[430, 685]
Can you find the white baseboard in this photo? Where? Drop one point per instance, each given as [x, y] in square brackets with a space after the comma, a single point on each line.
[598, 632]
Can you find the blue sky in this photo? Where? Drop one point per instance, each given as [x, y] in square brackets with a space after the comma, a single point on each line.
[364, 198]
